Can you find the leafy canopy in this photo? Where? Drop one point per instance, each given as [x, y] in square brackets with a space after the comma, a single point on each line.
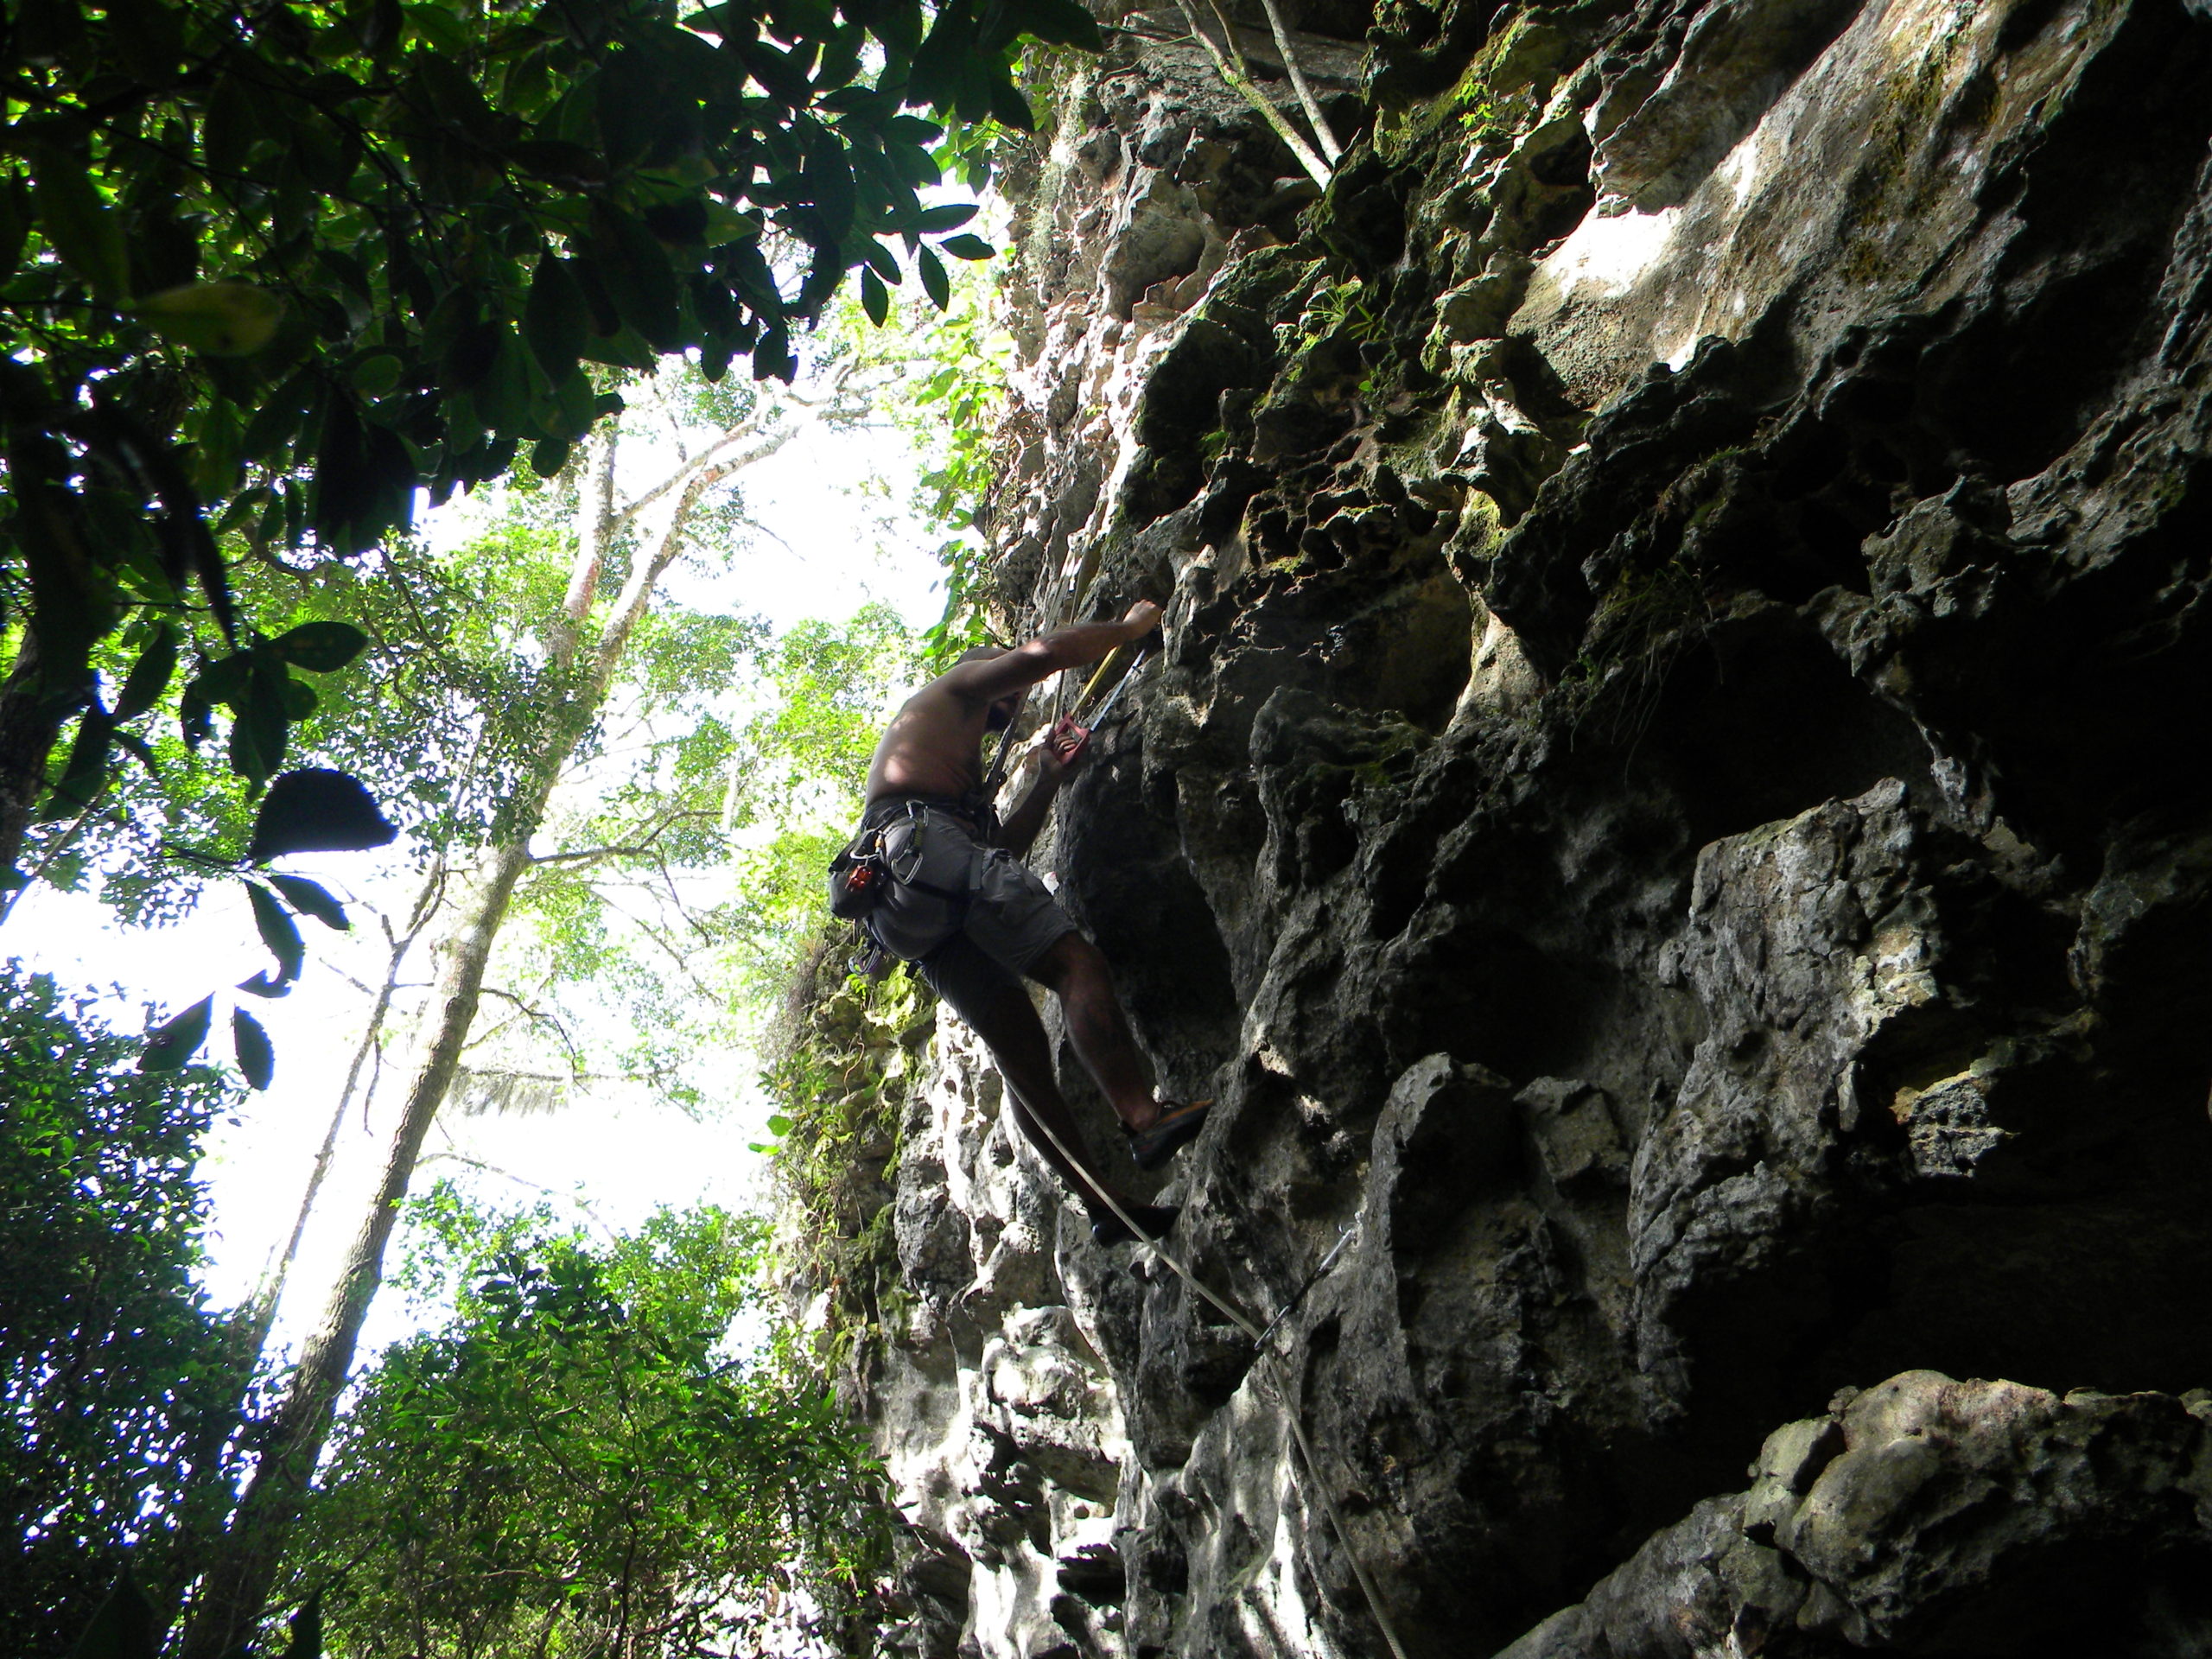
[275, 268]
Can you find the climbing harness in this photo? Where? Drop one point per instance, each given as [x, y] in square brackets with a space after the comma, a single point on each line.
[1259, 1336]
[909, 845]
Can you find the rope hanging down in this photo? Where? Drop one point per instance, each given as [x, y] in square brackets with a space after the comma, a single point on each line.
[993, 778]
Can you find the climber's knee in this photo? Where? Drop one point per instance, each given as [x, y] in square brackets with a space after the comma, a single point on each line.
[1070, 963]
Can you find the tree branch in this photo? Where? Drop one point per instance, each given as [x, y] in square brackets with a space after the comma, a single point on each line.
[462, 1158]
[640, 850]
[1234, 76]
[636, 594]
[1331, 151]
[692, 465]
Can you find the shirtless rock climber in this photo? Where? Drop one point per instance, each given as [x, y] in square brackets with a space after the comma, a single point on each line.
[975, 919]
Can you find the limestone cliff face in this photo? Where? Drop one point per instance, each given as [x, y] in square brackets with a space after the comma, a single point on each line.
[1676, 806]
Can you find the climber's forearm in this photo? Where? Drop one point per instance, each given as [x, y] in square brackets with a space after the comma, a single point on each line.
[1019, 830]
[1081, 643]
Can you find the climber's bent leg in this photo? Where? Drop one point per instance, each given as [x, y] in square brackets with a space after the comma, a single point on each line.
[993, 1001]
[1018, 923]
[1075, 970]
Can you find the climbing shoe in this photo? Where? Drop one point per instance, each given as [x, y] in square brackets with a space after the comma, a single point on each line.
[1155, 1219]
[1177, 1126]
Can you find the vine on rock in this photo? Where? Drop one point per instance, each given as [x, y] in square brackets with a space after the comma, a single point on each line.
[851, 1058]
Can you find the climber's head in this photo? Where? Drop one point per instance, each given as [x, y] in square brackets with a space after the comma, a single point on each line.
[1003, 712]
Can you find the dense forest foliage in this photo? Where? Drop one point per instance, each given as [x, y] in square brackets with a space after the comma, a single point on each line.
[122, 1388]
[279, 275]
[584, 1457]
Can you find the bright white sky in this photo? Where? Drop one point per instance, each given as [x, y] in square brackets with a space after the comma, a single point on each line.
[623, 1157]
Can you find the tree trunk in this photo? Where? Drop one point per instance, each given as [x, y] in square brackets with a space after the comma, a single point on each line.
[244, 1563]
[28, 730]
[238, 1586]
[228, 1606]
[271, 1292]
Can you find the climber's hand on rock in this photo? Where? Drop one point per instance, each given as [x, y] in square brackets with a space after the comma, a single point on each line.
[1064, 751]
[1142, 618]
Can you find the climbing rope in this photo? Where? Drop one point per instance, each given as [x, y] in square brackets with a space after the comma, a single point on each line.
[1312, 1278]
[993, 778]
[1236, 1317]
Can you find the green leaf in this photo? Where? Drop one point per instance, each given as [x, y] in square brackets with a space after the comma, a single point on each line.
[457, 101]
[306, 1630]
[231, 125]
[257, 1057]
[262, 721]
[218, 319]
[826, 181]
[1009, 107]
[384, 29]
[225, 679]
[86, 771]
[882, 261]
[126, 1625]
[376, 375]
[278, 932]
[771, 357]
[935, 284]
[932, 220]
[83, 229]
[555, 320]
[779, 1125]
[965, 246]
[215, 452]
[150, 675]
[934, 75]
[1059, 23]
[634, 265]
[911, 129]
[316, 810]
[439, 28]
[549, 456]
[277, 420]
[134, 745]
[14, 219]
[321, 647]
[167, 1050]
[562, 163]
[45, 28]
[311, 898]
[875, 299]
[195, 714]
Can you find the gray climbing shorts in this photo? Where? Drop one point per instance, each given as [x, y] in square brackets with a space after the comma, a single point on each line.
[1014, 919]
[1010, 920]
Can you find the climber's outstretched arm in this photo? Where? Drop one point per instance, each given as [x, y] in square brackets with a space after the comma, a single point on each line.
[988, 680]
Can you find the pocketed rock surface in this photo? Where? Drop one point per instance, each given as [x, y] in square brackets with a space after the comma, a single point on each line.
[1675, 808]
